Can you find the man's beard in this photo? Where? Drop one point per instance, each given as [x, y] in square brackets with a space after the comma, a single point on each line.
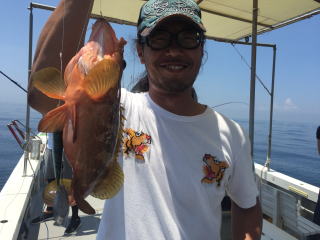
[173, 86]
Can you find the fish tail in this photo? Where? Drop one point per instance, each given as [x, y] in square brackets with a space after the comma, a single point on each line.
[84, 206]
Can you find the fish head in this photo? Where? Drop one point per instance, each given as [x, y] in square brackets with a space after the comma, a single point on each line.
[102, 44]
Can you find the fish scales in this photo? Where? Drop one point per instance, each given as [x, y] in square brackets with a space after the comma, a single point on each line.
[91, 115]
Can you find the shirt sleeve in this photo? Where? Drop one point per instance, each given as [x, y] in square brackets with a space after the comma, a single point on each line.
[242, 187]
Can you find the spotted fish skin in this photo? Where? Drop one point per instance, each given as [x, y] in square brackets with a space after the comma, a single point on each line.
[90, 116]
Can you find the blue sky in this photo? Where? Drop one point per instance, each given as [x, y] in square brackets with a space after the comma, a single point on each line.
[223, 78]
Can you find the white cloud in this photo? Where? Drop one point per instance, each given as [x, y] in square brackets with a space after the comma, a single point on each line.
[288, 105]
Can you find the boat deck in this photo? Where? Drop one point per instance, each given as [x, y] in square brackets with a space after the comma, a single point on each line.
[19, 190]
[87, 230]
[89, 227]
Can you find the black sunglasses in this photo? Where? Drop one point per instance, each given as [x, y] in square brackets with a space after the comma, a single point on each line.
[161, 39]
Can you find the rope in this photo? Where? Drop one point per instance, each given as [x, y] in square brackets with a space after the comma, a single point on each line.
[244, 60]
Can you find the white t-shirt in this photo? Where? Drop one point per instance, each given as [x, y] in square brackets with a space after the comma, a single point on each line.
[177, 170]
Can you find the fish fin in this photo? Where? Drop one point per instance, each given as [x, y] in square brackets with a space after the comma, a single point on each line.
[110, 185]
[50, 82]
[85, 207]
[54, 120]
[50, 191]
[102, 77]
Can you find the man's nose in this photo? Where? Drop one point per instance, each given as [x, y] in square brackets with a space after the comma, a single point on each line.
[173, 49]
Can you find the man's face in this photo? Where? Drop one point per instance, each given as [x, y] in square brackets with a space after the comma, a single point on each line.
[172, 69]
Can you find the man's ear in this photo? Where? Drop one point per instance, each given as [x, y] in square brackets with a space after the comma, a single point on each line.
[140, 52]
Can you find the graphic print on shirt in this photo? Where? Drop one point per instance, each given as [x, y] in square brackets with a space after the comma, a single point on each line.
[136, 142]
[213, 169]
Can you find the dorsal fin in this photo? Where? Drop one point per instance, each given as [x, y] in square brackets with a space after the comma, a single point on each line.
[102, 77]
[50, 82]
[54, 120]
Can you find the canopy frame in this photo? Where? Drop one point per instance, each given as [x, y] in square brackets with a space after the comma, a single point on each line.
[253, 44]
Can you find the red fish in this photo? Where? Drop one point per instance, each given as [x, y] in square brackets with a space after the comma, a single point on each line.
[90, 116]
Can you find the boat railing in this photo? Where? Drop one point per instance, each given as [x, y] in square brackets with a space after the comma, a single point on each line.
[31, 145]
[283, 209]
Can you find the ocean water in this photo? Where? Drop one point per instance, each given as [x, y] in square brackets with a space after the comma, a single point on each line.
[294, 150]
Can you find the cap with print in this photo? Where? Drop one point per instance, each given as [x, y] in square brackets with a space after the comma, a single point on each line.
[154, 11]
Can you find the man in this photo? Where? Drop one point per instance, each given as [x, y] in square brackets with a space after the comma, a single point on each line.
[179, 156]
[54, 163]
[316, 215]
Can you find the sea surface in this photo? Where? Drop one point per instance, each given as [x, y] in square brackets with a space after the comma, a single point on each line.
[294, 151]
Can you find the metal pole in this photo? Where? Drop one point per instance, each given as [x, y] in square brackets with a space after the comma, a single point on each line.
[27, 139]
[271, 108]
[253, 72]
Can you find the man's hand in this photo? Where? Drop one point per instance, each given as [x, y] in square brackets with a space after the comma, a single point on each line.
[246, 223]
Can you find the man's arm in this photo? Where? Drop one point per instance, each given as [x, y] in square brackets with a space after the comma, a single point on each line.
[67, 24]
[246, 223]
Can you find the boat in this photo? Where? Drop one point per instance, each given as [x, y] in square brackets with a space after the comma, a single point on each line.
[287, 203]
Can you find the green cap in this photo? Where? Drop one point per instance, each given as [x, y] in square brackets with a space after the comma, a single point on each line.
[154, 11]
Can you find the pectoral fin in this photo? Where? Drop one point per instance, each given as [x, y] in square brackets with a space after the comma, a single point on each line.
[102, 77]
[50, 82]
[111, 184]
[54, 120]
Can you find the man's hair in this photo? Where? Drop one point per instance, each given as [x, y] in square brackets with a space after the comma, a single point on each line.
[142, 85]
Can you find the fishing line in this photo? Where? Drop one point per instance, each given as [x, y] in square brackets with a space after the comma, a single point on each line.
[47, 229]
[101, 8]
[62, 45]
[133, 75]
[245, 61]
[62, 38]
[82, 36]
[13, 81]
[219, 105]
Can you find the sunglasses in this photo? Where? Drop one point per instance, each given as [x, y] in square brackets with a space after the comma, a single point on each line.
[160, 39]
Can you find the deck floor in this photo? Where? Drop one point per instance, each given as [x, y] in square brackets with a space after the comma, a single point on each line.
[87, 230]
[90, 223]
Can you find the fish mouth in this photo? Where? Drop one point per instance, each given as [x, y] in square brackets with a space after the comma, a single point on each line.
[104, 35]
